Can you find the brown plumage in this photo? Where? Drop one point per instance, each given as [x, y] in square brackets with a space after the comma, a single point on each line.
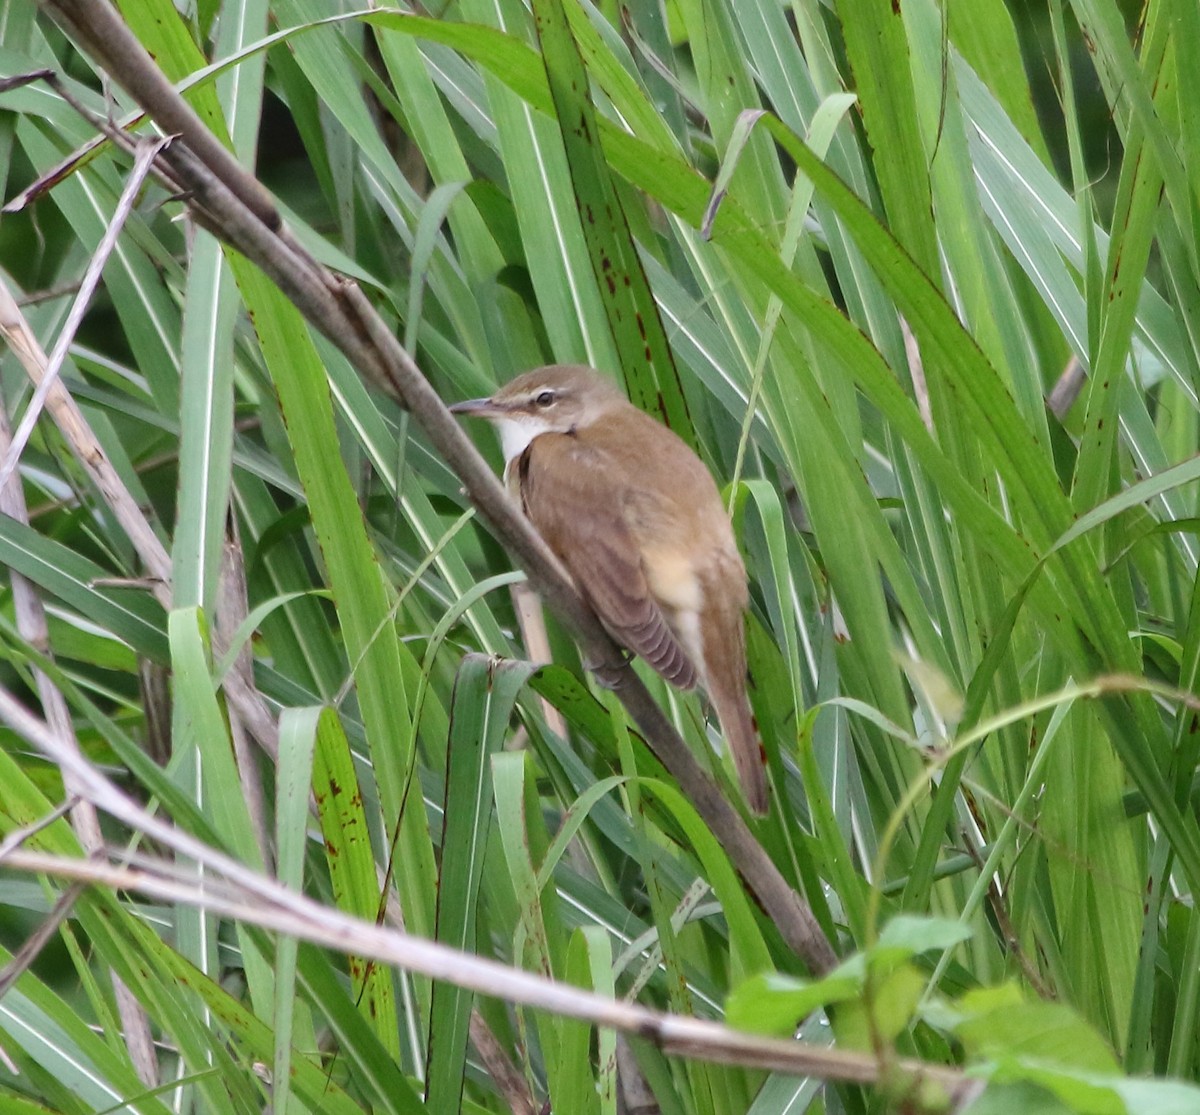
[638, 522]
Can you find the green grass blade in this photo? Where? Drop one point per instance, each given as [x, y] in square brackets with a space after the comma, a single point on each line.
[352, 870]
[637, 329]
[358, 588]
[483, 701]
[297, 744]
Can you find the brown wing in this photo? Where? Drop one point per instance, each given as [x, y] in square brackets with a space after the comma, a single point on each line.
[582, 521]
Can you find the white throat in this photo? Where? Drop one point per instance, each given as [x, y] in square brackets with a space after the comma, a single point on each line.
[516, 433]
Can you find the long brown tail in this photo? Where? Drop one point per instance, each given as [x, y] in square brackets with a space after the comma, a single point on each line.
[741, 734]
[724, 637]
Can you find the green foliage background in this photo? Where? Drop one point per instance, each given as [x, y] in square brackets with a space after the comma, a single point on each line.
[975, 619]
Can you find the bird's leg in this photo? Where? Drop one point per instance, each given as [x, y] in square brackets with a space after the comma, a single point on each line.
[606, 673]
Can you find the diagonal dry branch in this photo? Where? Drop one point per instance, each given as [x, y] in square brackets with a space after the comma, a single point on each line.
[235, 206]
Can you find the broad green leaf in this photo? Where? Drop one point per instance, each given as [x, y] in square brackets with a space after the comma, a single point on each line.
[998, 1023]
[360, 593]
[128, 612]
[485, 692]
[637, 329]
[352, 872]
[297, 744]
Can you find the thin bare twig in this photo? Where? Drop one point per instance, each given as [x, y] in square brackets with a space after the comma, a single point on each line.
[916, 370]
[505, 1075]
[531, 619]
[146, 154]
[232, 607]
[18, 836]
[119, 53]
[231, 203]
[32, 946]
[49, 294]
[636, 1095]
[86, 447]
[1066, 389]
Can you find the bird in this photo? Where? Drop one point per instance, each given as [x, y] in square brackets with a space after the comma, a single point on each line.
[635, 517]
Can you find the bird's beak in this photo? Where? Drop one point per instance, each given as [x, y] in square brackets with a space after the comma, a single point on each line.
[476, 408]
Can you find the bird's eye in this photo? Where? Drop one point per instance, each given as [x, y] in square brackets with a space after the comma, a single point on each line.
[544, 399]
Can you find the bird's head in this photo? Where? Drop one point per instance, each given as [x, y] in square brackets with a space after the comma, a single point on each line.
[558, 399]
